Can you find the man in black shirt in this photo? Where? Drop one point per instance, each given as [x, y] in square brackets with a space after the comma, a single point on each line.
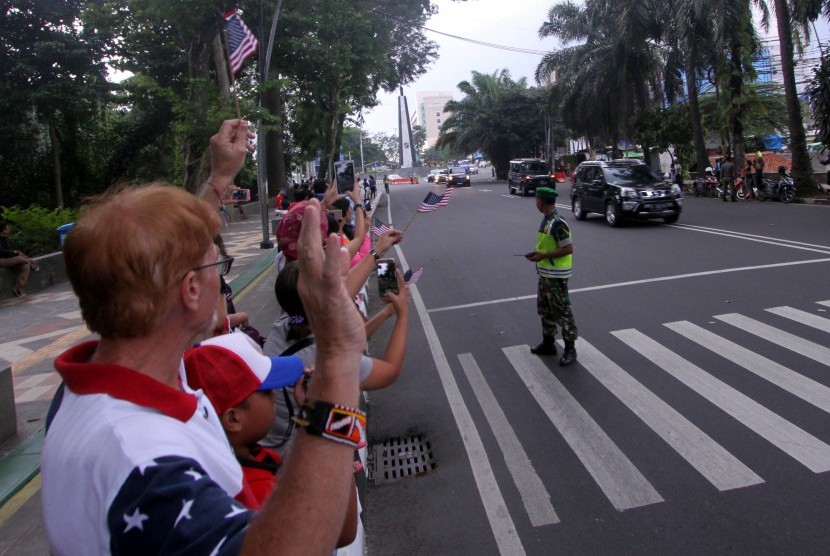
[13, 258]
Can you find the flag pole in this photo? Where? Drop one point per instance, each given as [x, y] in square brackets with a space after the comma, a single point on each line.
[410, 221]
[230, 74]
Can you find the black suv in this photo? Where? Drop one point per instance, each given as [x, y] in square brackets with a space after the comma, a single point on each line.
[457, 176]
[526, 174]
[621, 190]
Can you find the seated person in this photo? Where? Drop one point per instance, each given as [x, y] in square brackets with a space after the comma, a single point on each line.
[15, 259]
[291, 331]
[240, 381]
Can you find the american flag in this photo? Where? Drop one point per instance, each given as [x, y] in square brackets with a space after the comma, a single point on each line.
[412, 278]
[241, 42]
[430, 202]
[379, 227]
[445, 198]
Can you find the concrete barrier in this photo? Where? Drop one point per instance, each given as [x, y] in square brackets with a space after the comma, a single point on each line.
[8, 415]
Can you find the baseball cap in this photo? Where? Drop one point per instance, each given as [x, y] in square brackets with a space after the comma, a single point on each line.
[288, 232]
[231, 367]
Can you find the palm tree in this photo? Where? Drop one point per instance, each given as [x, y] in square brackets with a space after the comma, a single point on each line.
[785, 17]
[689, 31]
[500, 116]
[619, 66]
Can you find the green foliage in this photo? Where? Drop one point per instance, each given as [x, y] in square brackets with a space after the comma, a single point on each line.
[34, 229]
[820, 102]
[502, 117]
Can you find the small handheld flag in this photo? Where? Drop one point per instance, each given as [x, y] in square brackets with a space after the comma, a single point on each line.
[412, 278]
[241, 42]
[379, 228]
[430, 203]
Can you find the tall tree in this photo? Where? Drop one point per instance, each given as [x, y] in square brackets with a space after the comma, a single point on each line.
[502, 117]
[53, 81]
[802, 167]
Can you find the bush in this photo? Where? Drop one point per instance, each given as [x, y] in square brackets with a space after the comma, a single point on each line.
[34, 230]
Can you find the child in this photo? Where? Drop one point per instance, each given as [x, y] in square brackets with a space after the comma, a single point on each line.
[239, 381]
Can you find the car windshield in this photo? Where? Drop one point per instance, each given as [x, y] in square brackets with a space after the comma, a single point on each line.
[457, 170]
[534, 168]
[635, 174]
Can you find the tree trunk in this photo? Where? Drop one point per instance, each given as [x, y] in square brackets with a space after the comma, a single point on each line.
[275, 141]
[701, 156]
[220, 61]
[737, 104]
[193, 164]
[802, 168]
[54, 137]
[331, 133]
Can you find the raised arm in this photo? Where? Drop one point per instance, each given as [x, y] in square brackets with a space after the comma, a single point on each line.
[360, 272]
[386, 371]
[306, 511]
[227, 154]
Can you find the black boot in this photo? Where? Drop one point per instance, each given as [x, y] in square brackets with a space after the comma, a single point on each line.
[547, 347]
[569, 356]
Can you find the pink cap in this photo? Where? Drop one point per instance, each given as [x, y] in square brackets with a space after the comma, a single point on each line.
[288, 232]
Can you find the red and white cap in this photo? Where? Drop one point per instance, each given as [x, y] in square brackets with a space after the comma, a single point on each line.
[231, 367]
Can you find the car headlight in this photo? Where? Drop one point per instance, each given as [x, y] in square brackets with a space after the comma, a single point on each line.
[628, 193]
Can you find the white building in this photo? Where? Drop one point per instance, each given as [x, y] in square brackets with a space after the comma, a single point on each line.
[430, 114]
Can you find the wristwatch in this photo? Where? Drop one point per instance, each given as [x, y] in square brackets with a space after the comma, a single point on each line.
[333, 422]
[375, 254]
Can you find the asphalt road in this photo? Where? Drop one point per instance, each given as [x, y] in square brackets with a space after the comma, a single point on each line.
[696, 419]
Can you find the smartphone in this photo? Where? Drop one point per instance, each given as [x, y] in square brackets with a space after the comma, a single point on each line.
[344, 172]
[241, 195]
[387, 277]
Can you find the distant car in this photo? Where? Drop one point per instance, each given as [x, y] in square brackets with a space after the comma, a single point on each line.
[441, 177]
[622, 190]
[457, 177]
[433, 175]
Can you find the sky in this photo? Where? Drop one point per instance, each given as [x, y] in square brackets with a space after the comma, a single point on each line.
[511, 23]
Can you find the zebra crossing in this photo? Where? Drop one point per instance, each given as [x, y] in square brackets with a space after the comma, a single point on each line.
[624, 485]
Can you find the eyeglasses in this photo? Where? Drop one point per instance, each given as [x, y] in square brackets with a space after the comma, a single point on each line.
[223, 266]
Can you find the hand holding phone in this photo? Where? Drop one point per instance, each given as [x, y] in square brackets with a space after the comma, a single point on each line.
[387, 277]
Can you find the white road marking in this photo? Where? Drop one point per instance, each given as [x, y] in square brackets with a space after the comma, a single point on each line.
[635, 283]
[786, 340]
[531, 488]
[803, 317]
[623, 484]
[796, 384]
[709, 458]
[825, 303]
[33, 394]
[501, 524]
[790, 439]
[754, 237]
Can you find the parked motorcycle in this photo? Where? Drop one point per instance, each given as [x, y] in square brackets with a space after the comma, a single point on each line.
[708, 186]
[783, 189]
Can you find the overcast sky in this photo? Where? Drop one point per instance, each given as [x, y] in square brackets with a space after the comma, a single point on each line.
[510, 23]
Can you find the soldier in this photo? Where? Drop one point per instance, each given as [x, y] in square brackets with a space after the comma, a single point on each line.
[553, 258]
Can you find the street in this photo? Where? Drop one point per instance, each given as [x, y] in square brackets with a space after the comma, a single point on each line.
[695, 420]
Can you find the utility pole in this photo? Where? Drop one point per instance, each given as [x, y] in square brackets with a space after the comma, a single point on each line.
[362, 166]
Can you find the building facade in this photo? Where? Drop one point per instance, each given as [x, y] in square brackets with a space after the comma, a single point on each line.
[430, 114]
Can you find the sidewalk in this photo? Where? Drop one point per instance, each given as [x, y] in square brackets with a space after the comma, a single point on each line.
[37, 328]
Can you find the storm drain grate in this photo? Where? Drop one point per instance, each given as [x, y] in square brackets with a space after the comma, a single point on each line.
[399, 458]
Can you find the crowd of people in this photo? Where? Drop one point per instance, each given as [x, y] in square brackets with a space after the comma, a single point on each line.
[157, 440]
